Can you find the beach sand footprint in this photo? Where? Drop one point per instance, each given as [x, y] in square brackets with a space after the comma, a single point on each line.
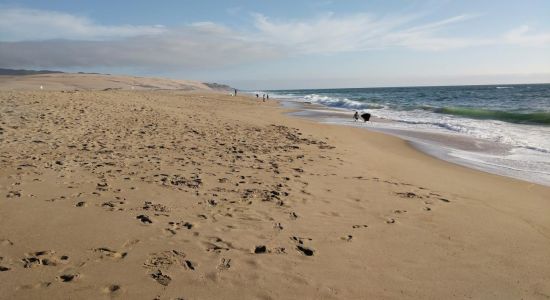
[225, 264]
[260, 249]
[176, 226]
[68, 277]
[144, 219]
[43, 258]
[162, 261]
[347, 238]
[304, 250]
[216, 244]
[156, 208]
[113, 205]
[81, 204]
[112, 289]
[104, 252]
[166, 259]
[408, 195]
[161, 278]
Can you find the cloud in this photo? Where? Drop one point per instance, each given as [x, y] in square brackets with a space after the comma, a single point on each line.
[360, 32]
[523, 36]
[47, 39]
[18, 24]
[190, 47]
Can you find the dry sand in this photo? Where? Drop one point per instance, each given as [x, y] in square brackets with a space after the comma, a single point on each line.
[71, 81]
[168, 195]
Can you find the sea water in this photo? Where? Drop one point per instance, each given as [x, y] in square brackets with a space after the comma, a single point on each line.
[503, 129]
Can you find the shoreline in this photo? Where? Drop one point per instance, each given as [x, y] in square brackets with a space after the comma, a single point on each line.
[458, 149]
[167, 194]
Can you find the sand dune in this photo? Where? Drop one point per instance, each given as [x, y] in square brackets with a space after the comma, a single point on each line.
[177, 195]
[70, 81]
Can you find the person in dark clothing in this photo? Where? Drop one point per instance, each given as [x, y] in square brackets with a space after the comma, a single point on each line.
[235, 92]
[356, 116]
[365, 116]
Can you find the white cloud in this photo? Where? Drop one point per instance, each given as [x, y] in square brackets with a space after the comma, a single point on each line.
[186, 48]
[523, 36]
[360, 32]
[46, 39]
[18, 24]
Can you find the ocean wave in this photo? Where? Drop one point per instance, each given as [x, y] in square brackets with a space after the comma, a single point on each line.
[341, 102]
[537, 118]
[540, 118]
[526, 130]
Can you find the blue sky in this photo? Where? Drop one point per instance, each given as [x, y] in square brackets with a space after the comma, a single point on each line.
[285, 44]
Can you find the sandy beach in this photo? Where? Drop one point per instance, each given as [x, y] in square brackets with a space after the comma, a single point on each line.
[171, 194]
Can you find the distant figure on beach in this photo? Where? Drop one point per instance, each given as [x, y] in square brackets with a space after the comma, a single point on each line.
[235, 92]
[365, 116]
[263, 97]
[267, 96]
[356, 116]
[257, 96]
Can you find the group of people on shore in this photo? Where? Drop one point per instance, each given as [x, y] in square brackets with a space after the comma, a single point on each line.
[264, 96]
[364, 116]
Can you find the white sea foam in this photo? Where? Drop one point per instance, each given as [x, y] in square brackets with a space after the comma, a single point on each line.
[531, 137]
[340, 102]
[530, 144]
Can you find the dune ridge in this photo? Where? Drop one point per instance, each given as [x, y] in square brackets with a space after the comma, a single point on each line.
[89, 81]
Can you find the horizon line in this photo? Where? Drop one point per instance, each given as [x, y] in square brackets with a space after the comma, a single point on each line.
[409, 86]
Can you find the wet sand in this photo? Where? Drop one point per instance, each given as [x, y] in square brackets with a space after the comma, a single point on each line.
[327, 115]
[480, 154]
[171, 195]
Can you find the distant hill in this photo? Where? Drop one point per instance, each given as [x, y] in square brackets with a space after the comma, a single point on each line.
[12, 72]
[218, 86]
[56, 81]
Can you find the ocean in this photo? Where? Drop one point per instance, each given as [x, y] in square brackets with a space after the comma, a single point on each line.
[502, 129]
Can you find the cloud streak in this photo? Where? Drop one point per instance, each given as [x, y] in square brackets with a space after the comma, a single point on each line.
[360, 32]
[18, 24]
[46, 39]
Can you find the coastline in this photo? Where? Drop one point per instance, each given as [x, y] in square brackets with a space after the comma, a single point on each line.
[220, 177]
[462, 150]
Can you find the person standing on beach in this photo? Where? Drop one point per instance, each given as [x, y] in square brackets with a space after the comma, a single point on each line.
[235, 92]
[263, 97]
[356, 116]
[267, 96]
